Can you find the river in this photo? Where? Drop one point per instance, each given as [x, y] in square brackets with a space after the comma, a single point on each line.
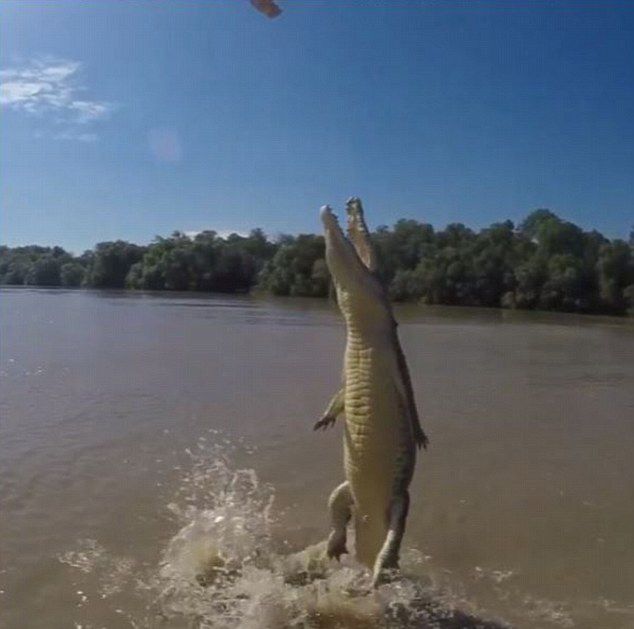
[145, 438]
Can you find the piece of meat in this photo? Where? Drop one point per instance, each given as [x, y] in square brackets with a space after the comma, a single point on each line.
[268, 7]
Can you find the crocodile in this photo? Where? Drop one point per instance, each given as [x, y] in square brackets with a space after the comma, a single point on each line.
[382, 429]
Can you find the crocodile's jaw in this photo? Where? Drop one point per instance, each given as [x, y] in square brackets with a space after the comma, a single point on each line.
[360, 296]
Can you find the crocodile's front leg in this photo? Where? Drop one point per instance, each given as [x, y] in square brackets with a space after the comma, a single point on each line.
[387, 558]
[339, 505]
[335, 408]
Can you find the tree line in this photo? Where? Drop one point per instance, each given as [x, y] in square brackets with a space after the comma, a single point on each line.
[544, 263]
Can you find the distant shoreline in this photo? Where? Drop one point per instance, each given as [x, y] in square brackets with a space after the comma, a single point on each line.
[544, 263]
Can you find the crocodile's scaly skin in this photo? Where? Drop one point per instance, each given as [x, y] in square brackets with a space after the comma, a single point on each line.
[379, 451]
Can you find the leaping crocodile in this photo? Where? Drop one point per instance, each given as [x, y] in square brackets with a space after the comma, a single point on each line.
[382, 429]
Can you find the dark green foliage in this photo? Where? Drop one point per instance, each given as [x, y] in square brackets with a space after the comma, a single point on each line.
[204, 263]
[402, 248]
[72, 274]
[45, 271]
[628, 296]
[14, 269]
[298, 268]
[111, 263]
[545, 263]
[33, 265]
[615, 271]
[532, 224]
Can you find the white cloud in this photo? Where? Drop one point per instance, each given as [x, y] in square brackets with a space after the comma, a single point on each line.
[76, 135]
[88, 111]
[51, 86]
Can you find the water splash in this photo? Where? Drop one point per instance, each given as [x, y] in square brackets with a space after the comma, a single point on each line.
[86, 557]
[225, 569]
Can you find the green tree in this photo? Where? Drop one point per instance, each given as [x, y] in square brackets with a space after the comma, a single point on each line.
[563, 288]
[615, 269]
[205, 262]
[111, 263]
[296, 268]
[628, 296]
[44, 272]
[72, 274]
[493, 258]
[534, 222]
[16, 272]
[403, 247]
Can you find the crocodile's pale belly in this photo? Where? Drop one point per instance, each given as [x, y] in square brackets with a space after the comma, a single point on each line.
[379, 452]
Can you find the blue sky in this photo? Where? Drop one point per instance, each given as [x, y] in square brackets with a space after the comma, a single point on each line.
[134, 118]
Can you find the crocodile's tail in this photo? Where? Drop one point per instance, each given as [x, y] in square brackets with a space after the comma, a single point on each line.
[370, 531]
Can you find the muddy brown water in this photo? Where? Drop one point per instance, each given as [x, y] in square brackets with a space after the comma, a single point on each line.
[142, 434]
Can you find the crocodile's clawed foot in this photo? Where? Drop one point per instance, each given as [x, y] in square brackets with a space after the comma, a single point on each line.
[325, 422]
[336, 545]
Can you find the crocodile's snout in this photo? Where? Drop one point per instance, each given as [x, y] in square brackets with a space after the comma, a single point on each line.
[328, 217]
[354, 210]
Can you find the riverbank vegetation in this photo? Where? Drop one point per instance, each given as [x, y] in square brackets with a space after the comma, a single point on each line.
[543, 263]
